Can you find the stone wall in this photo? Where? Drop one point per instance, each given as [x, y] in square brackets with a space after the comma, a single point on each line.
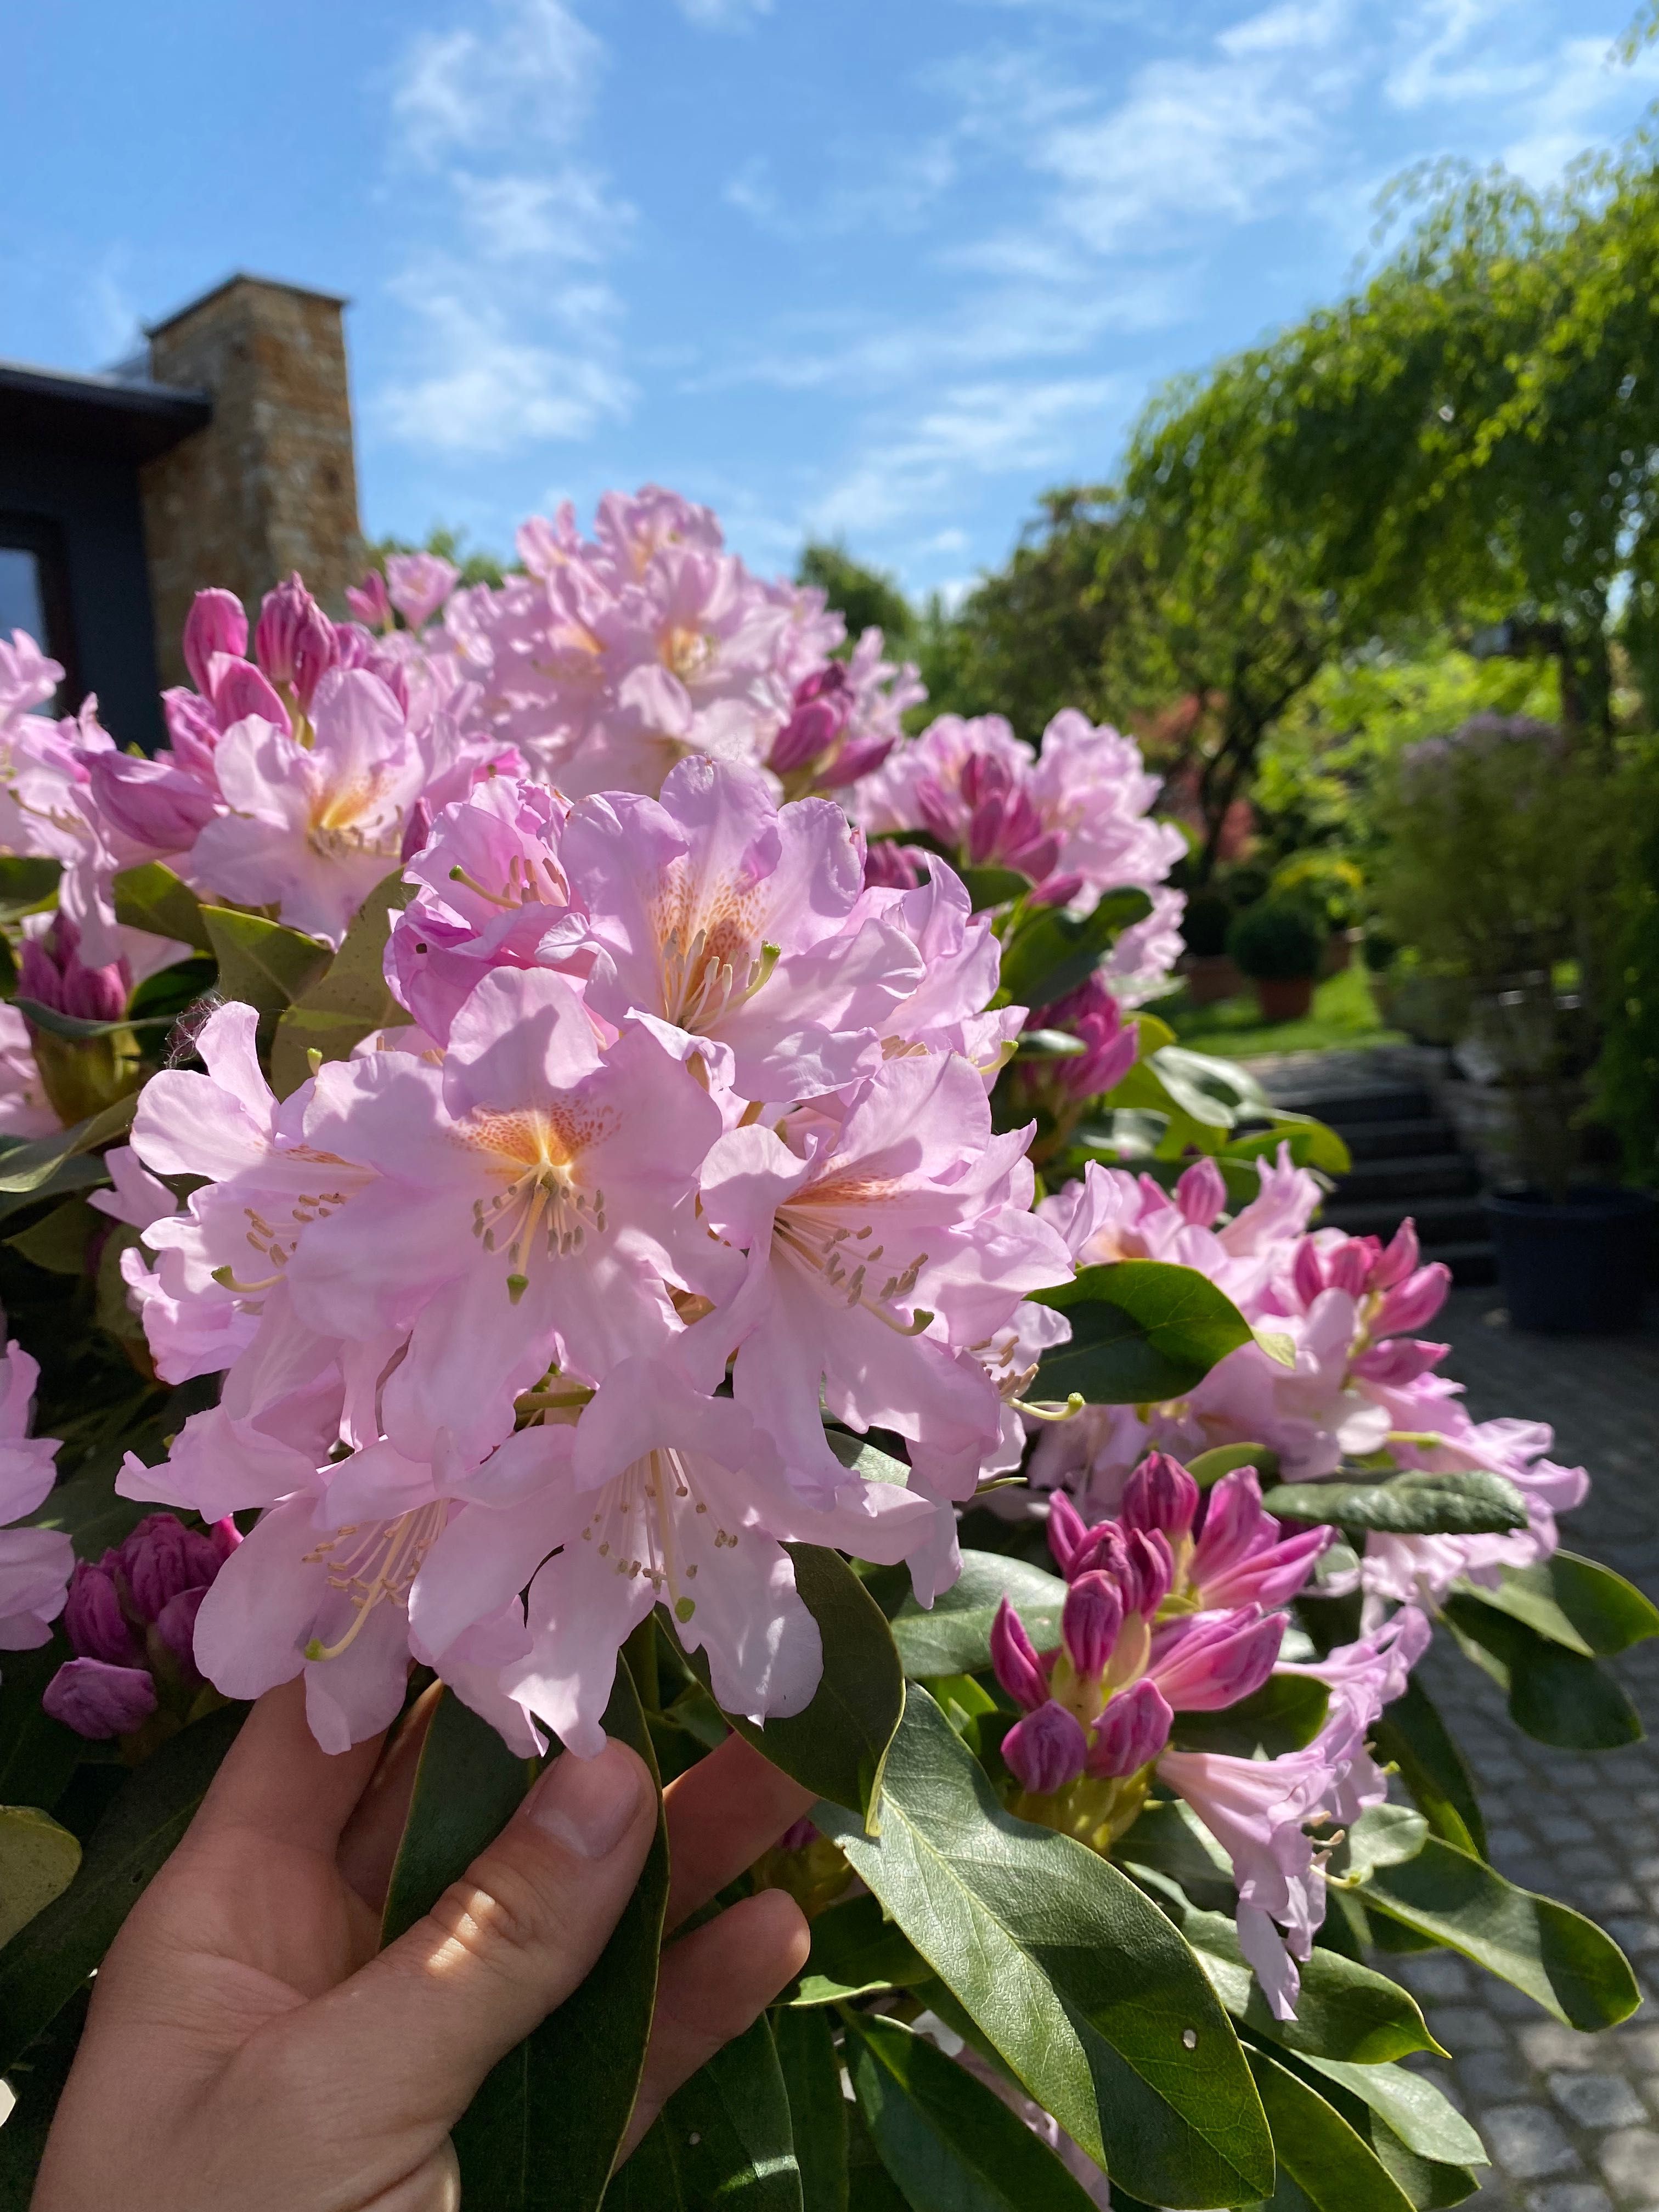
[272, 484]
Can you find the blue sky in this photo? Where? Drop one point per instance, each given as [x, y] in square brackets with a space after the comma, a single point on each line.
[879, 269]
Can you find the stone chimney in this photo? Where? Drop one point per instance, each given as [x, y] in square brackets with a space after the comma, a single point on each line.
[271, 485]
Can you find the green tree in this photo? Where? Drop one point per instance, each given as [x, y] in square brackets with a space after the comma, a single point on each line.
[865, 598]
[477, 566]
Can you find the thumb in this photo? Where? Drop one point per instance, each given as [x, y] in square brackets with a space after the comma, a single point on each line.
[422, 2023]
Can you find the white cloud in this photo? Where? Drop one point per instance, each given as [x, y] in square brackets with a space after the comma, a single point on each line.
[723, 14]
[565, 216]
[528, 75]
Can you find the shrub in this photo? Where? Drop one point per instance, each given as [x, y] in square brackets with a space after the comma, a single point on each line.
[1205, 924]
[1331, 886]
[1276, 939]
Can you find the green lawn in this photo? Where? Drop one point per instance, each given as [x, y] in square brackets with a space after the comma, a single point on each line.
[1343, 1014]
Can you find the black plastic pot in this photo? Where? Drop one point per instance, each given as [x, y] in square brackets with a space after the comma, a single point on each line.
[1577, 1268]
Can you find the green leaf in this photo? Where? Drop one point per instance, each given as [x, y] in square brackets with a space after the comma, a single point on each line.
[41, 1969]
[1285, 1714]
[1311, 1144]
[468, 1785]
[89, 1512]
[1076, 1977]
[1432, 2185]
[837, 1746]
[1216, 1092]
[1208, 1469]
[41, 1017]
[1562, 1960]
[954, 1637]
[58, 1242]
[1577, 1602]
[172, 991]
[728, 2131]
[1141, 1332]
[1382, 1836]
[32, 1167]
[1556, 1695]
[856, 1950]
[38, 1755]
[1334, 2167]
[863, 1459]
[38, 2083]
[1425, 2119]
[1051, 953]
[152, 897]
[994, 886]
[1476, 1503]
[350, 999]
[28, 880]
[261, 963]
[37, 1862]
[810, 2066]
[949, 2143]
[1411, 1734]
[517, 2148]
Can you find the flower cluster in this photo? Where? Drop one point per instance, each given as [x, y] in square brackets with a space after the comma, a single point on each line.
[34, 1563]
[1176, 1607]
[679, 1096]
[608, 659]
[1336, 1372]
[130, 1619]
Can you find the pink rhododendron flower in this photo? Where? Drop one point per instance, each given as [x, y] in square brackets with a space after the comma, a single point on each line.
[34, 1563]
[417, 584]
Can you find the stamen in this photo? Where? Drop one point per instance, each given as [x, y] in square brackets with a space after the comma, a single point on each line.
[378, 1567]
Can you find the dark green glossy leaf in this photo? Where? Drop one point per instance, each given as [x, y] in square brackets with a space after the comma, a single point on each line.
[41, 1017]
[1416, 1504]
[1433, 2185]
[856, 1949]
[1421, 2116]
[954, 1637]
[87, 1509]
[1140, 1331]
[1208, 1469]
[1576, 1602]
[33, 1167]
[152, 897]
[1285, 1714]
[38, 1755]
[261, 963]
[1075, 1977]
[1382, 1836]
[837, 1746]
[170, 991]
[871, 2188]
[1051, 953]
[728, 2132]
[948, 2141]
[349, 998]
[86, 1171]
[1312, 1145]
[1563, 1961]
[864, 1459]
[58, 1241]
[37, 2083]
[518, 2152]
[1411, 1734]
[1556, 1695]
[28, 880]
[41, 1969]
[1329, 2162]
[468, 1785]
[810, 2066]
[994, 886]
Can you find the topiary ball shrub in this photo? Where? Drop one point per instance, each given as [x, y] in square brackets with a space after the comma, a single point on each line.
[1277, 940]
[1205, 924]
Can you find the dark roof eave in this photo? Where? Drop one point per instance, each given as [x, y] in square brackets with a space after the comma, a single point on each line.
[127, 420]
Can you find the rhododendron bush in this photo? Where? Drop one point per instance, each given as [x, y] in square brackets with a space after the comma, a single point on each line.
[562, 1175]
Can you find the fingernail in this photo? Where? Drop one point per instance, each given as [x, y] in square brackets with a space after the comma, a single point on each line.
[586, 1804]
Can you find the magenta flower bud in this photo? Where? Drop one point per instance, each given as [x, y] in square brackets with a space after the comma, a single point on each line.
[1056, 890]
[97, 1700]
[1015, 1661]
[1202, 1193]
[1205, 1663]
[148, 801]
[889, 866]
[416, 830]
[1093, 1017]
[370, 602]
[1307, 1275]
[216, 623]
[857, 757]
[1161, 1494]
[1349, 1267]
[160, 1557]
[937, 816]
[295, 641]
[1130, 1732]
[417, 584]
[1269, 1576]
[1036, 861]
[1148, 1569]
[1043, 1751]
[51, 971]
[1234, 1524]
[1067, 1529]
[93, 1619]
[239, 690]
[175, 1626]
[193, 729]
[1398, 1364]
[1088, 1623]
[1397, 1259]
[809, 731]
[1413, 1303]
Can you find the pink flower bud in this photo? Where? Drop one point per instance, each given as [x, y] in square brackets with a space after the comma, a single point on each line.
[369, 601]
[160, 1557]
[1409, 1304]
[1307, 1275]
[93, 1619]
[1161, 1494]
[1067, 1529]
[98, 1700]
[1397, 1259]
[859, 756]
[175, 1628]
[239, 690]
[417, 585]
[1056, 890]
[1149, 1570]
[1015, 1661]
[193, 728]
[216, 623]
[1397, 1364]
[295, 641]
[1202, 1193]
[889, 866]
[51, 971]
[416, 830]
[1207, 1663]
[810, 732]
[1088, 1623]
[148, 801]
[1043, 1751]
[1268, 1575]
[1234, 1525]
[1348, 1268]
[1130, 1732]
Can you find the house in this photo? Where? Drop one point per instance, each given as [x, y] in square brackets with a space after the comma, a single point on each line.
[222, 455]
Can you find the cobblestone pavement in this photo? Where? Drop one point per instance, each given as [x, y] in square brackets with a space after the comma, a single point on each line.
[1571, 2122]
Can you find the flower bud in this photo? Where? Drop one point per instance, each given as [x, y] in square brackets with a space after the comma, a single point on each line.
[1307, 1275]
[1043, 1751]
[1088, 1623]
[1015, 1661]
[51, 971]
[857, 758]
[1397, 1259]
[160, 1557]
[1202, 1193]
[1056, 890]
[1398, 1364]
[93, 1619]
[147, 800]
[416, 830]
[216, 623]
[370, 602]
[889, 866]
[1409, 1304]
[295, 641]
[1349, 1267]
[192, 728]
[818, 718]
[1148, 1569]
[1130, 1732]
[1067, 1530]
[1203, 1664]
[98, 1700]
[239, 690]
[417, 584]
[1161, 1494]
[175, 1629]
[1234, 1525]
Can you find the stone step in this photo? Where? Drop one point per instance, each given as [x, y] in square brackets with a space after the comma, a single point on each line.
[1448, 1220]
[1391, 1140]
[1344, 1104]
[1471, 1259]
[1404, 1182]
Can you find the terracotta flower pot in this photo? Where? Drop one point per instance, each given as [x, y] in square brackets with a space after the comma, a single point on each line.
[1284, 998]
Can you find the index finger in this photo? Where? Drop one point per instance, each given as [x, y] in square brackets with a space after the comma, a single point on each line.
[277, 1780]
[722, 1814]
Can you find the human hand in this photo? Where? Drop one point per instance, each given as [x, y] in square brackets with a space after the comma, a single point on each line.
[247, 2046]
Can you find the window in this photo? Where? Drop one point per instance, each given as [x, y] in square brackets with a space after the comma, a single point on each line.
[35, 596]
